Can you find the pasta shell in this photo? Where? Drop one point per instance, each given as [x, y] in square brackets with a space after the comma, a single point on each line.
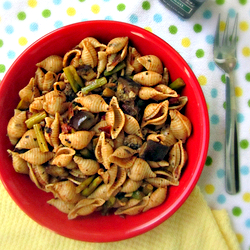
[158, 164]
[140, 170]
[158, 182]
[165, 76]
[72, 58]
[156, 198]
[94, 103]
[103, 150]
[16, 126]
[177, 159]
[116, 44]
[89, 54]
[64, 190]
[52, 63]
[39, 78]
[94, 42]
[57, 171]
[77, 140]
[55, 101]
[119, 140]
[130, 186]
[36, 156]
[37, 104]
[180, 125]
[99, 126]
[28, 140]
[18, 163]
[115, 118]
[155, 114]
[62, 206]
[87, 166]
[133, 141]
[147, 78]
[85, 207]
[132, 126]
[29, 92]
[180, 103]
[49, 80]
[132, 64]
[169, 139]
[102, 61]
[38, 175]
[152, 63]
[63, 157]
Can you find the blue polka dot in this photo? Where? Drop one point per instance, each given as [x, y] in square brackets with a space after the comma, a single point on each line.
[133, 18]
[217, 146]
[108, 18]
[215, 119]
[106, 0]
[221, 199]
[247, 223]
[7, 5]
[244, 170]
[214, 93]
[210, 39]
[33, 27]
[207, 14]
[220, 173]
[157, 18]
[11, 54]
[232, 13]
[211, 66]
[58, 24]
[237, 65]
[240, 118]
[57, 2]
[9, 29]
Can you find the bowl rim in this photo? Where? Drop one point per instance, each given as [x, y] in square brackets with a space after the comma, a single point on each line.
[202, 157]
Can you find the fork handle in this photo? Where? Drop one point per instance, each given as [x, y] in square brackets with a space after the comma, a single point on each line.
[231, 148]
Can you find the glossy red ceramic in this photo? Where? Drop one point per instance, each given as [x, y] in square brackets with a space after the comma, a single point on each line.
[98, 228]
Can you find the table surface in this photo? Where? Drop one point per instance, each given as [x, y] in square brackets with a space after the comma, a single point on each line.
[24, 21]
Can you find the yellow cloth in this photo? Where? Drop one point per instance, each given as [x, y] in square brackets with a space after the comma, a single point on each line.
[194, 226]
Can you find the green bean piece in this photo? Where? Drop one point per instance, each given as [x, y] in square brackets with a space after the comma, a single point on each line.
[138, 195]
[148, 188]
[92, 186]
[73, 78]
[40, 138]
[36, 118]
[84, 184]
[177, 84]
[23, 105]
[117, 68]
[108, 205]
[96, 84]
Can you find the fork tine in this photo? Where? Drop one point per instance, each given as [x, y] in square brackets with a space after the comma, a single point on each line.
[234, 33]
[225, 35]
[217, 34]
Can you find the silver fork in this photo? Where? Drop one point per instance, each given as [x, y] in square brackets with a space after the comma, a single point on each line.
[225, 58]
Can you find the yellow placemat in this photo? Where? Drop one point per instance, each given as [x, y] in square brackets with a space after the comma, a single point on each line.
[194, 226]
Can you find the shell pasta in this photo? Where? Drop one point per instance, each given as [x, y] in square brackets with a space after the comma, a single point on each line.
[102, 128]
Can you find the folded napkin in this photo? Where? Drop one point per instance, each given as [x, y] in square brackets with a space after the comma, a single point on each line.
[194, 226]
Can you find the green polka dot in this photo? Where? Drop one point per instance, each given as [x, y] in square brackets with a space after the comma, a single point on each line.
[236, 211]
[209, 161]
[121, 7]
[1, 43]
[224, 105]
[81, 1]
[223, 78]
[248, 103]
[244, 144]
[200, 53]
[243, 2]
[220, 2]
[197, 28]
[21, 16]
[173, 29]
[46, 13]
[146, 5]
[2, 68]
[247, 77]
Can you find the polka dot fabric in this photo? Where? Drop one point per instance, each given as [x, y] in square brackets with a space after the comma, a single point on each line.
[24, 21]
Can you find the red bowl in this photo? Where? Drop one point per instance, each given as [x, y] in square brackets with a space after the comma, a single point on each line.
[98, 228]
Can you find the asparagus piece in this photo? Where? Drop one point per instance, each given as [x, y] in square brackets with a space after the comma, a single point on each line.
[92, 186]
[96, 84]
[177, 84]
[138, 195]
[40, 138]
[84, 184]
[36, 118]
[23, 105]
[117, 68]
